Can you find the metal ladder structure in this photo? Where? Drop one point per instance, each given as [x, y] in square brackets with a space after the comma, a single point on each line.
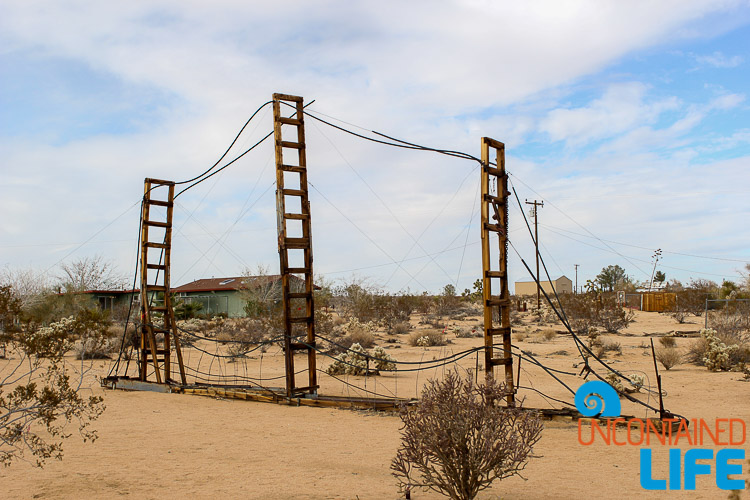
[495, 220]
[154, 294]
[295, 252]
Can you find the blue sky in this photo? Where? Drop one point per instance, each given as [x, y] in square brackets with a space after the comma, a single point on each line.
[630, 120]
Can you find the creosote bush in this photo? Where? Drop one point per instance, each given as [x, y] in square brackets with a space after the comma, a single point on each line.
[460, 438]
[668, 341]
[426, 338]
[668, 357]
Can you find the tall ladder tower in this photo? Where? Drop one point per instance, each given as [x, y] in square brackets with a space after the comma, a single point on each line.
[295, 240]
[156, 234]
[495, 220]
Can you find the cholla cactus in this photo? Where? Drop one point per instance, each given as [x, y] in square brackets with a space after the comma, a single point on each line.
[423, 341]
[717, 355]
[383, 361]
[354, 361]
[636, 381]
[614, 380]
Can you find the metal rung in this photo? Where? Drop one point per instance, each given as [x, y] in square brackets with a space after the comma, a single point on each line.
[156, 245]
[293, 168]
[156, 224]
[501, 361]
[160, 203]
[297, 243]
[299, 295]
[293, 145]
[495, 274]
[293, 192]
[290, 121]
[301, 319]
[156, 266]
[296, 216]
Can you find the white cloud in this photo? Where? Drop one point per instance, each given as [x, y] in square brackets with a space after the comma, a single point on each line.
[437, 73]
[621, 108]
[719, 60]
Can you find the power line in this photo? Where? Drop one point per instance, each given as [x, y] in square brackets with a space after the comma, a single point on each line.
[650, 249]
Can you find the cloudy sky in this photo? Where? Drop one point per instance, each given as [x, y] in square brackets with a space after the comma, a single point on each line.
[630, 120]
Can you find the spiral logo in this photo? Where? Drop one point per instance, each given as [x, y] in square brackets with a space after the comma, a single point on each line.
[597, 398]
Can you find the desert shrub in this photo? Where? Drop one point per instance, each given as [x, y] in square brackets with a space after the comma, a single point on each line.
[520, 335]
[588, 310]
[548, 334]
[668, 341]
[716, 357]
[613, 317]
[362, 337]
[636, 380]
[615, 381]
[401, 328]
[679, 315]
[606, 347]
[427, 338]
[465, 333]
[459, 438]
[358, 361]
[668, 357]
[581, 311]
[732, 319]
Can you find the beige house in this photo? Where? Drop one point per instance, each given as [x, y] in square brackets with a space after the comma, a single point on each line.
[528, 287]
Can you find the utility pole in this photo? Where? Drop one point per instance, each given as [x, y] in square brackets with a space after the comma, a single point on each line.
[536, 205]
[576, 288]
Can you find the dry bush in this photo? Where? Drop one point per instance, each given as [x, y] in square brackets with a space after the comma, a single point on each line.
[362, 337]
[613, 317]
[427, 338]
[701, 350]
[668, 341]
[401, 328]
[589, 310]
[606, 347]
[548, 334]
[520, 335]
[459, 438]
[668, 357]
[679, 315]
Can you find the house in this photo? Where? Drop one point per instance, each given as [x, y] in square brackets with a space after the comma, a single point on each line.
[528, 287]
[230, 295]
[110, 300]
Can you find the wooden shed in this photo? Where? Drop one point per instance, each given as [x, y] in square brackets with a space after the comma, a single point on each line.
[658, 301]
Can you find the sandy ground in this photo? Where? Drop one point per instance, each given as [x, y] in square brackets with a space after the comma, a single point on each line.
[180, 446]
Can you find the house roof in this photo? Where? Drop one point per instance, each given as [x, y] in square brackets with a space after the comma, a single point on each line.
[544, 281]
[228, 283]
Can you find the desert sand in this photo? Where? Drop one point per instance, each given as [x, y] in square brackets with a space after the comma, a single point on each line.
[154, 445]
